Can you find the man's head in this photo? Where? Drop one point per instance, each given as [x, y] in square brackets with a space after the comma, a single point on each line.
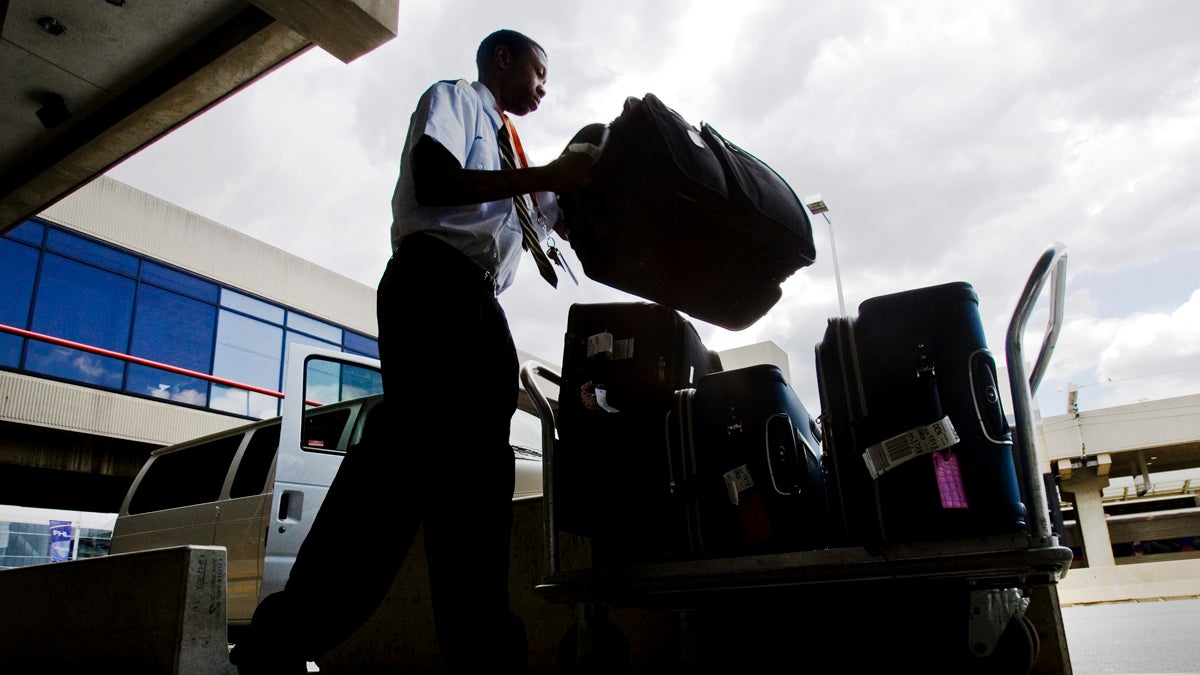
[514, 68]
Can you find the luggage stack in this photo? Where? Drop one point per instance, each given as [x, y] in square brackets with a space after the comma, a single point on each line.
[917, 446]
[661, 454]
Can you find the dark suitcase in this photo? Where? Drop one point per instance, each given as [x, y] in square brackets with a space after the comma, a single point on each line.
[680, 216]
[746, 462]
[622, 363]
[916, 442]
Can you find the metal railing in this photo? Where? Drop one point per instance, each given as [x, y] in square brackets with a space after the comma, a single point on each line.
[142, 362]
[1051, 267]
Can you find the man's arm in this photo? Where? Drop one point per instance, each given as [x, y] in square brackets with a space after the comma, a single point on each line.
[440, 180]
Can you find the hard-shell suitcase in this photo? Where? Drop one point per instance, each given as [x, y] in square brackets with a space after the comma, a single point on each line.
[745, 459]
[916, 442]
[622, 363]
[681, 216]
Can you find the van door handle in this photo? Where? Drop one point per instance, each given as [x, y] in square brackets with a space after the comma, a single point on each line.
[291, 506]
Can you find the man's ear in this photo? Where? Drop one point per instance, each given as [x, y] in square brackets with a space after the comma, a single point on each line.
[502, 56]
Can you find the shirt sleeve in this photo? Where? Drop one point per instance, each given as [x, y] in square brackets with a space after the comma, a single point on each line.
[447, 114]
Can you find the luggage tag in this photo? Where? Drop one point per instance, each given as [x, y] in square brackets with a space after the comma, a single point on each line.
[894, 451]
[739, 484]
[595, 397]
[922, 440]
[949, 480]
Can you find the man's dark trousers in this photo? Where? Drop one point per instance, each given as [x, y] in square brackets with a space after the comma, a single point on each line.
[435, 453]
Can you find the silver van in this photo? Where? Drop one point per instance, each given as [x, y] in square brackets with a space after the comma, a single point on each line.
[255, 489]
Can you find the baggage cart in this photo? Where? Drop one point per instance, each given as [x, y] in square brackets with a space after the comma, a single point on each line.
[970, 604]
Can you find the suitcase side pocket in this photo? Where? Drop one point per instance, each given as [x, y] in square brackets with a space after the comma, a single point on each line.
[755, 187]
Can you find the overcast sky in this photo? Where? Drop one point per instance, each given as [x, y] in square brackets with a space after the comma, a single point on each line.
[952, 141]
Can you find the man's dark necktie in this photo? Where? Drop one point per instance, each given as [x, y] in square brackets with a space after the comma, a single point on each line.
[532, 240]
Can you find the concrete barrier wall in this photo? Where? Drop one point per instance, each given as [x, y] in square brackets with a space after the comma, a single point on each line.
[1134, 582]
[156, 612]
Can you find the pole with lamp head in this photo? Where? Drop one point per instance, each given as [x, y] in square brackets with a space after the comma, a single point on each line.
[815, 205]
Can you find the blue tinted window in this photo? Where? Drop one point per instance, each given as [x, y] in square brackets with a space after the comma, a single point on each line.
[167, 385]
[10, 350]
[180, 282]
[248, 351]
[74, 364]
[83, 304]
[243, 402]
[28, 232]
[172, 329]
[317, 329]
[19, 263]
[360, 344]
[175, 330]
[300, 338]
[89, 251]
[252, 306]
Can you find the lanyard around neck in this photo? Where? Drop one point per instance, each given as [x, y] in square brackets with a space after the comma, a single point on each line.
[520, 153]
[516, 140]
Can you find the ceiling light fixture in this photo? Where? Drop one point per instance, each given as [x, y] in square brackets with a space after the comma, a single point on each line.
[51, 25]
[53, 111]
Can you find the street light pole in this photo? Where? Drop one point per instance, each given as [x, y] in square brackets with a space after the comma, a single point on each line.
[817, 205]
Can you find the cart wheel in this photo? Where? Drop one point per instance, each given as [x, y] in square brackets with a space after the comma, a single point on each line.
[1033, 635]
[608, 655]
[1015, 652]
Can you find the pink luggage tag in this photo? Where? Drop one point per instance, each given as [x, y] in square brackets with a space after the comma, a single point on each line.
[949, 480]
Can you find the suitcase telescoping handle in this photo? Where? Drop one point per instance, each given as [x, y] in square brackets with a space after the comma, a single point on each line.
[531, 371]
[1052, 267]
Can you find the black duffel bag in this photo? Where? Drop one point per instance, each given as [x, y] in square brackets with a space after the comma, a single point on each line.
[680, 216]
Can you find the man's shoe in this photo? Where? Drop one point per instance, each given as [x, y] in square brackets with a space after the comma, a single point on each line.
[250, 661]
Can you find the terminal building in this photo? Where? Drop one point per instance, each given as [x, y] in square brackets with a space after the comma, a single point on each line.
[114, 343]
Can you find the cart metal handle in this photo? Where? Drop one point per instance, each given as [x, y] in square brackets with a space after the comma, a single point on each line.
[1052, 267]
[530, 372]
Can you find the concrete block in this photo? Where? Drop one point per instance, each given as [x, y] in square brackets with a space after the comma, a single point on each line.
[160, 612]
[1122, 583]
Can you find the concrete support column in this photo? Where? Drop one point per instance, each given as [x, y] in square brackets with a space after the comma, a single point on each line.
[1086, 480]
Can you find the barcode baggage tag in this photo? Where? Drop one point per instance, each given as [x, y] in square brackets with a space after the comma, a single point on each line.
[898, 449]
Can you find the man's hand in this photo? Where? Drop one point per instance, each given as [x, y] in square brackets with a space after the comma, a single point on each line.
[571, 171]
[439, 180]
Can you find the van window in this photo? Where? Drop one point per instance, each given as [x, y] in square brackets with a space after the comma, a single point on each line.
[327, 382]
[251, 476]
[526, 434]
[191, 475]
[323, 429]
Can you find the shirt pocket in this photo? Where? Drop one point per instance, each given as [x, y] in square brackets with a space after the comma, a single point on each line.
[483, 155]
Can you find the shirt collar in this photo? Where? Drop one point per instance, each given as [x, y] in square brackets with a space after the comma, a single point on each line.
[489, 103]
